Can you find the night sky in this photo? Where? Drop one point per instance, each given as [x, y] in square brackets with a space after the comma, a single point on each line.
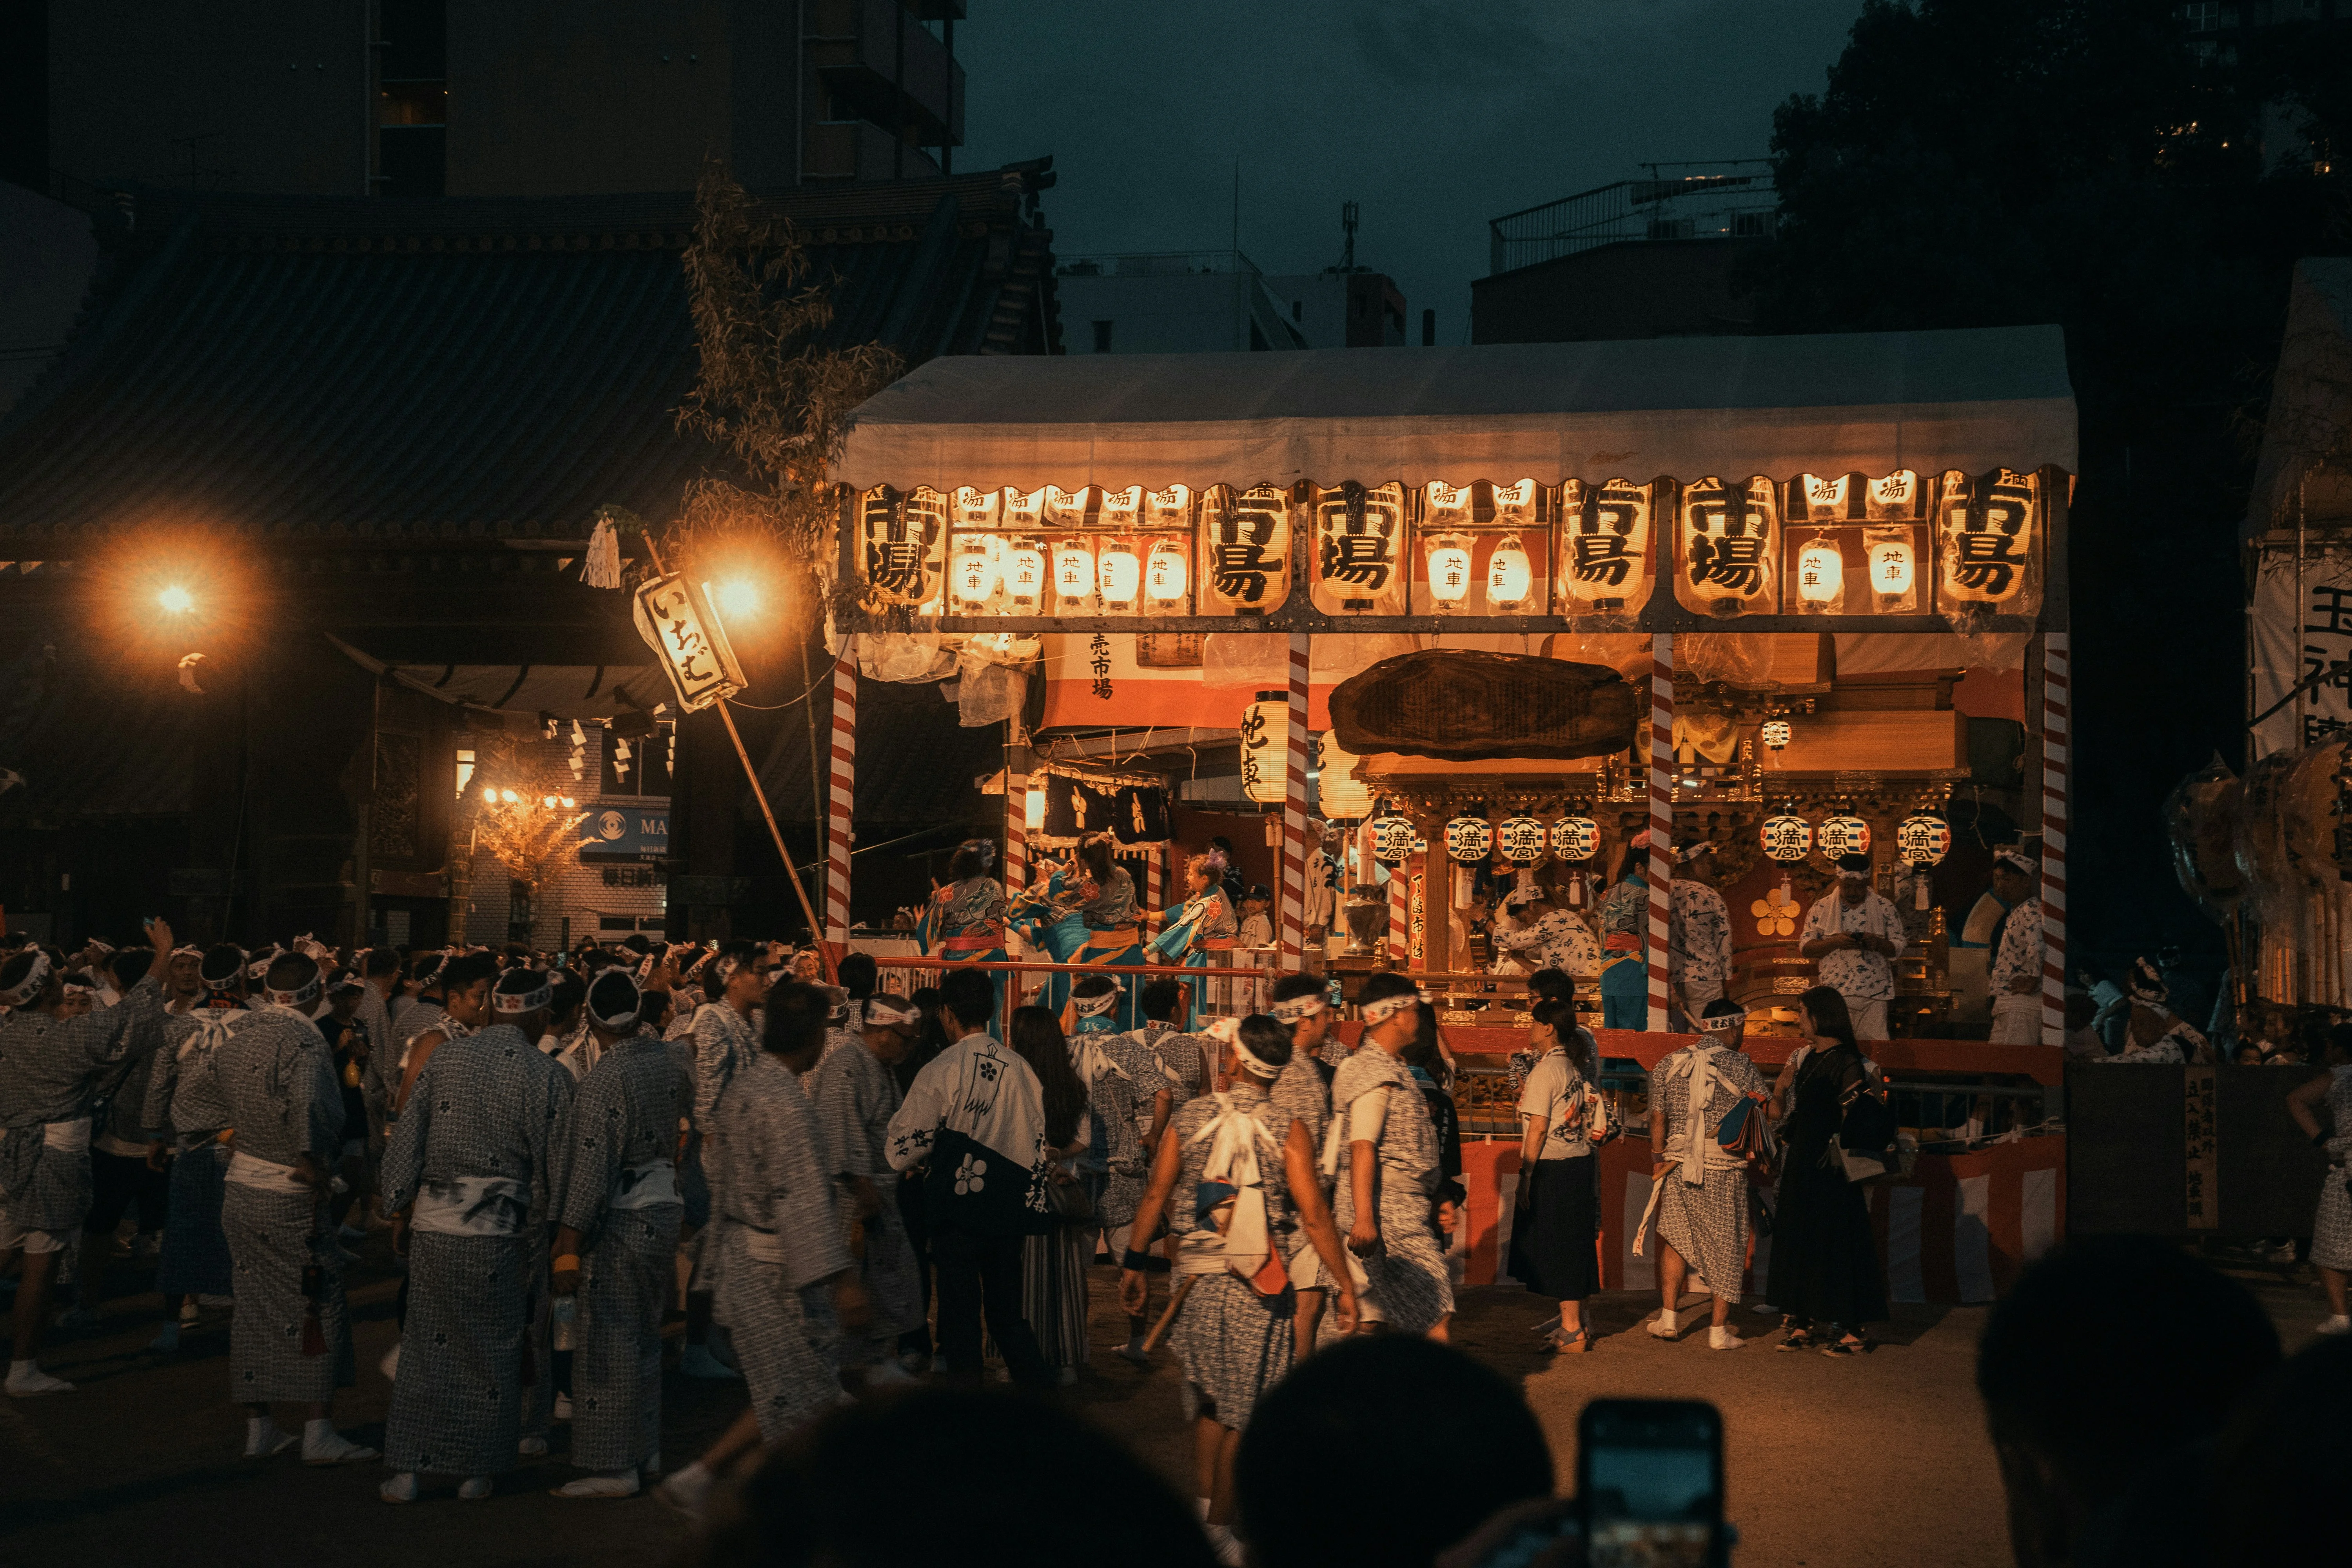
[1436, 115]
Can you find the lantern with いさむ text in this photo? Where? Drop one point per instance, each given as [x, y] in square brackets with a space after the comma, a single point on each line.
[1787, 838]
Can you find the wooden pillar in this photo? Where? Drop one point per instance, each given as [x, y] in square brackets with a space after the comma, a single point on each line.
[1662, 819]
[1016, 808]
[840, 800]
[2057, 725]
[1293, 934]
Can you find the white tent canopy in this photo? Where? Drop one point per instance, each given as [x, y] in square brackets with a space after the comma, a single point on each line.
[1872, 403]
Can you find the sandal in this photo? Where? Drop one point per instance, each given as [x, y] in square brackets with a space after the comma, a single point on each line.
[1557, 1343]
[1798, 1340]
[1860, 1345]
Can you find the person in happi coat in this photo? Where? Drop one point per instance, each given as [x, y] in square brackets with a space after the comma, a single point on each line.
[123, 1179]
[1702, 1189]
[974, 1121]
[1302, 1003]
[1134, 1094]
[1389, 1169]
[184, 1108]
[1698, 934]
[290, 1339]
[1624, 920]
[788, 1287]
[1853, 936]
[1237, 1181]
[1556, 1210]
[1112, 915]
[50, 1065]
[617, 1212]
[2015, 980]
[2153, 1031]
[1184, 1058]
[725, 1041]
[1201, 932]
[1541, 935]
[965, 919]
[468, 1171]
[856, 1092]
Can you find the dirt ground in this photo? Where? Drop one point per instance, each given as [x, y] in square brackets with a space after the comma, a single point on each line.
[1860, 1463]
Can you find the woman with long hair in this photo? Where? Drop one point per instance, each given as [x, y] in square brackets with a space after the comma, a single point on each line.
[1054, 1265]
[1203, 931]
[965, 919]
[1824, 1271]
[1559, 1201]
[1113, 917]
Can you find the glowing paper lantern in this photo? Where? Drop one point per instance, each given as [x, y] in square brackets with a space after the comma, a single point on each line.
[1774, 733]
[1575, 837]
[1521, 839]
[1074, 571]
[1120, 573]
[1787, 838]
[1449, 570]
[1509, 577]
[1024, 575]
[1266, 735]
[1843, 836]
[1820, 573]
[1392, 839]
[973, 579]
[1165, 574]
[1032, 808]
[1469, 839]
[1922, 840]
[1344, 796]
[1893, 569]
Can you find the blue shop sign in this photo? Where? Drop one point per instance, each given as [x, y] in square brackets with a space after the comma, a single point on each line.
[624, 832]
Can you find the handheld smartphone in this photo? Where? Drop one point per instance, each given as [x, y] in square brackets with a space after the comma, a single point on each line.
[1649, 1484]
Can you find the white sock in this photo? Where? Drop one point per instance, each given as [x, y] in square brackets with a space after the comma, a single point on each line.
[693, 1474]
[319, 1429]
[254, 1426]
[21, 1368]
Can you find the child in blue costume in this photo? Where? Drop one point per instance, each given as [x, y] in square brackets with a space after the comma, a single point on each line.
[1203, 931]
[966, 918]
[1047, 914]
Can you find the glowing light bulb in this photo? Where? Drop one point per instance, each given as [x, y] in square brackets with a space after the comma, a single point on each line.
[1509, 578]
[510, 798]
[490, 795]
[1120, 575]
[176, 600]
[736, 597]
[1820, 573]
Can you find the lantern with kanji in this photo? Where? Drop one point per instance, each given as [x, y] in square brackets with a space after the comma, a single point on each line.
[1575, 838]
[1787, 838]
[1521, 839]
[1922, 840]
[1843, 836]
[1393, 838]
[1469, 839]
[1774, 733]
[1265, 738]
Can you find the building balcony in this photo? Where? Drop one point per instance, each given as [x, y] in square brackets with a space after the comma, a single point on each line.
[858, 150]
[879, 63]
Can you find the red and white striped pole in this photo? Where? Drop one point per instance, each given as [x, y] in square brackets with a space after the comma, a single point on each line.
[2057, 711]
[1294, 810]
[1661, 820]
[1400, 909]
[841, 800]
[1016, 809]
[1158, 899]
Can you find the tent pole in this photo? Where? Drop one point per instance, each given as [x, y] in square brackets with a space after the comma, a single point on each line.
[2057, 705]
[1294, 810]
[1662, 821]
[841, 799]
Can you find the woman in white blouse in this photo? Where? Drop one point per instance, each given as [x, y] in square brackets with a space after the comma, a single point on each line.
[1559, 1208]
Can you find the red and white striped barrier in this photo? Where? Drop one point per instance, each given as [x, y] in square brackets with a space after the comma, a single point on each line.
[841, 800]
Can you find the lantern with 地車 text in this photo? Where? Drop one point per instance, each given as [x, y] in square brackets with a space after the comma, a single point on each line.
[1521, 839]
[972, 576]
[1166, 572]
[1024, 577]
[1510, 577]
[1119, 575]
[1820, 576]
[1449, 570]
[1843, 836]
[1787, 838]
[1265, 736]
[1074, 577]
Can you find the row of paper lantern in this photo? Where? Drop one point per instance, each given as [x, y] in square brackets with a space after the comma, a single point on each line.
[1524, 840]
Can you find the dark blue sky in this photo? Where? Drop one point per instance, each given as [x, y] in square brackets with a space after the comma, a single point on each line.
[1436, 115]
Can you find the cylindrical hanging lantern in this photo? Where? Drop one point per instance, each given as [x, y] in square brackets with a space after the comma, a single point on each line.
[973, 578]
[1343, 797]
[1521, 839]
[1449, 569]
[1025, 577]
[1922, 840]
[1074, 571]
[1575, 838]
[1121, 575]
[1774, 733]
[1820, 573]
[1392, 839]
[1032, 808]
[1843, 836]
[1510, 576]
[1893, 569]
[1266, 735]
[1787, 837]
[1469, 839]
[1164, 573]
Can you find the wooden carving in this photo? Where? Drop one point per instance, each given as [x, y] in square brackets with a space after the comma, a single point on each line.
[1463, 706]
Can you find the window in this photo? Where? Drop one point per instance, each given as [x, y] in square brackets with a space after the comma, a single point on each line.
[2202, 18]
[465, 772]
[1102, 337]
[412, 99]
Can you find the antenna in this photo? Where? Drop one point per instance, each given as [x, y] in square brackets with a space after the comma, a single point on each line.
[1348, 220]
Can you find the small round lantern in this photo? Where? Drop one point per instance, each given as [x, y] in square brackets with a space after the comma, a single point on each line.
[1392, 839]
[1922, 840]
[1787, 838]
[1521, 840]
[1774, 733]
[1575, 838]
[1843, 836]
[1470, 839]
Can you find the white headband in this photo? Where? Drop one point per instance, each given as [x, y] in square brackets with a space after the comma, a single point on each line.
[302, 995]
[1298, 1009]
[185, 950]
[625, 1018]
[1095, 1007]
[519, 1002]
[30, 987]
[1690, 852]
[1229, 1032]
[1723, 1023]
[880, 1014]
[2015, 862]
[1388, 1007]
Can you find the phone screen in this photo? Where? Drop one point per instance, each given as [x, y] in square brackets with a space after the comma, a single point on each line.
[1650, 1483]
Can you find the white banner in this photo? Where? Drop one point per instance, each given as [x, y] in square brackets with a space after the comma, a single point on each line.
[2293, 636]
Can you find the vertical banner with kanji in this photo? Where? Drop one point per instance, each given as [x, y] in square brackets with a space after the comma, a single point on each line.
[2298, 635]
[2202, 1201]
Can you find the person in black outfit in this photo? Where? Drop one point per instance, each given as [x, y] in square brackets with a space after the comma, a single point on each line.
[1825, 1271]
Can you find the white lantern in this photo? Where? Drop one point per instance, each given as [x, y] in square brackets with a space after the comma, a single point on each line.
[1120, 575]
[1893, 569]
[1266, 735]
[1032, 808]
[1073, 570]
[1820, 573]
[1025, 574]
[1509, 578]
[1787, 837]
[1774, 733]
[1164, 574]
[1449, 570]
[973, 580]
[1344, 796]
[1922, 840]
[1575, 838]
[1469, 839]
[1521, 839]
[1392, 839]
[1844, 835]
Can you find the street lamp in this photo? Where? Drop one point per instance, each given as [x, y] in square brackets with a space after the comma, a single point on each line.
[176, 600]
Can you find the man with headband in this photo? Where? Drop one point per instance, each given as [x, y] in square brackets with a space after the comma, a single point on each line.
[184, 1105]
[2015, 980]
[1698, 934]
[49, 1067]
[1852, 936]
[856, 1093]
[1235, 1181]
[725, 1041]
[1135, 1093]
[1302, 1005]
[617, 1212]
[468, 1173]
[1384, 1150]
[291, 1339]
[1702, 1191]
